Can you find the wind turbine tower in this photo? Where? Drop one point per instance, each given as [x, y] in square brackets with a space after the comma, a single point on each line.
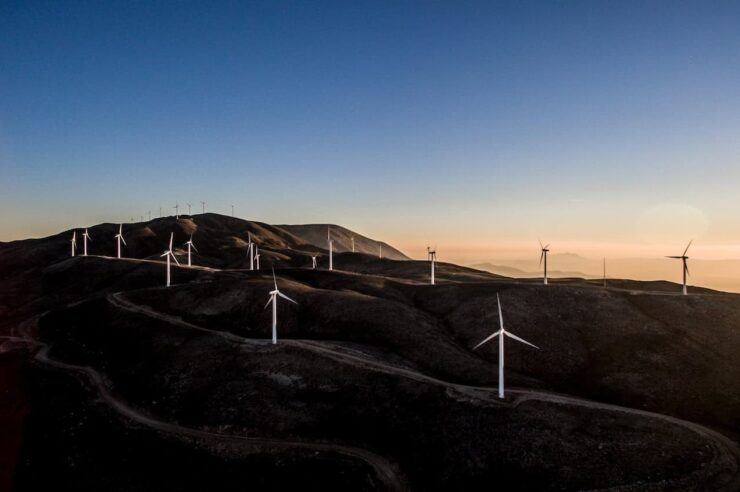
[169, 254]
[85, 237]
[189, 244]
[432, 259]
[203, 204]
[331, 248]
[274, 294]
[119, 239]
[501, 333]
[74, 242]
[543, 256]
[683, 258]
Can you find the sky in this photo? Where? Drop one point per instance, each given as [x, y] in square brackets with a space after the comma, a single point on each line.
[603, 128]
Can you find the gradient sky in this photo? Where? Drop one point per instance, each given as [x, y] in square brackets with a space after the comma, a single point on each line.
[602, 127]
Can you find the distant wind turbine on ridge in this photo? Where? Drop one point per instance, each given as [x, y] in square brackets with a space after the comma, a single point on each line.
[313, 262]
[119, 239]
[176, 207]
[501, 333]
[331, 247]
[683, 258]
[189, 244]
[169, 254]
[257, 255]
[432, 254]
[274, 294]
[85, 237]
[203, 204]
[74, 242]
[353, 243]
[543, 256]
[189, 205]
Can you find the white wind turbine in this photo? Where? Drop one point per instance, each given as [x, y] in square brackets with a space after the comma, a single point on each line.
[250, 251]
[203, 204]
[176, 207]
[683, 258]
[501, 333]
[119, 238]
[380, 251]
[189, 205]
[85, 237]
[169, 254]
[274, 300]
[543, 256]
[257, 255]
[189, 244]
[74, 242]
[331, 248]
[353, 244]
[432, 254]
[313, 262]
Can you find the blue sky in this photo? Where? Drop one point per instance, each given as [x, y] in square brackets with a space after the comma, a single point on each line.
[469, 124]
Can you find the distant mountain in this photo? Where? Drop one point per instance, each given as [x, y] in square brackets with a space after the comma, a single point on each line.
[316, 234]
[510, 271]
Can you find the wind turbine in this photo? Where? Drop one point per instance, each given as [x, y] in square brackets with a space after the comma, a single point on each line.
[160, 211]
[203, 204]
[232, 209]
[501, 333]
[543, 255]
[257, 255]
[190, 244]
[380, 251]
[353, 243]
[149, 214]
[273, 299]
[169, 254]
[331, 248]
[313, 262]
[432, 253]
[85, 237]
[683, 258]
[74, 242]
[605, 272]
[189, 205]
[429, 255]
[119, 238]
[176, 207]
[250, 251]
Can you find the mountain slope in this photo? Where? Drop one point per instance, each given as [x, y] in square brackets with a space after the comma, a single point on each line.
[316, 234]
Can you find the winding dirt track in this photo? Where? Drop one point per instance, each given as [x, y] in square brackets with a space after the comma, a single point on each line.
[384, 470]
[725, 450]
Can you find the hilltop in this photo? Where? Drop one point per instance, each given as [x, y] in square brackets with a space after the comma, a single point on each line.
[374, 383]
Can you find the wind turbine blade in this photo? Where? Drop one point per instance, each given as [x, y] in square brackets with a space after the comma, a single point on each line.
[687, 247]
[487, 339]
[686, 267]
[500, 316]
[520, 339]
[196, 249]
[175, 258]
[123, 241]
[542, 255]
[541, 247]
[286, 297]
[268, 302]
[164, 254]
[273, 278]
[674, 257]
[547, 246]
